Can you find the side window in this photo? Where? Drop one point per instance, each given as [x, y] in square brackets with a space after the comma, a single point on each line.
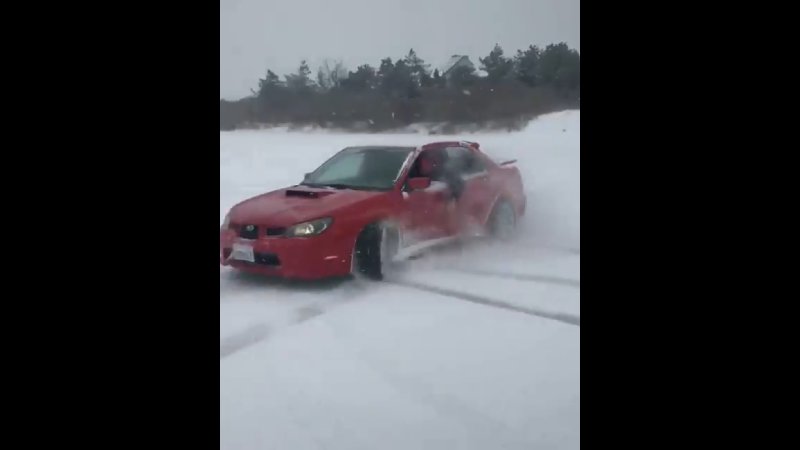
[464, 161]
[433, 169]
[476, 163]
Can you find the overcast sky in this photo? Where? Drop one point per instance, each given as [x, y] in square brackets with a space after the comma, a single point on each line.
[259, 34]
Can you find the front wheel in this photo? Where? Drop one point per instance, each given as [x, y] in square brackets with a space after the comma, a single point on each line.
[375, 248]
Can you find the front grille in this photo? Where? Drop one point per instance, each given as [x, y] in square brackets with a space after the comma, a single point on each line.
[276, 231]
[262, 259]
[243, 232]
[248, 231]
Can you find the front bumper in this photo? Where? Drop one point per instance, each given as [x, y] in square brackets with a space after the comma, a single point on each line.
[316, 257]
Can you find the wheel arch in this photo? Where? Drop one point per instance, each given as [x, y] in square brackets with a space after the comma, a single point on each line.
[377, 225]
[498, 197]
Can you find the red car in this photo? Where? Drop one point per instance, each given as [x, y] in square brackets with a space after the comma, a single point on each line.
[367, 206]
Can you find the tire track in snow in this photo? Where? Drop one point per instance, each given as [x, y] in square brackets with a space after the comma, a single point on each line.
[243, 339]
[427, 394]
[454, 245]
[261, 332]
[516, 276]
[569, 319]
[458, 247]
[553, 248]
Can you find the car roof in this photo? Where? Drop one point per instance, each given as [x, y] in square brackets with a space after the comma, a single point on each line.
[381, 147]
[440, 144]
[428, 146]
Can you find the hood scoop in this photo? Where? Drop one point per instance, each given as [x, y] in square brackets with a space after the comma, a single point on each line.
[302, 193]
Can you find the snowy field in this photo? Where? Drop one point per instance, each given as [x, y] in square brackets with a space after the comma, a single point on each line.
[475, 347]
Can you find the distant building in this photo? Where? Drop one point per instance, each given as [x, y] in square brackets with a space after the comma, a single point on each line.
[456, 61]
[453, 62]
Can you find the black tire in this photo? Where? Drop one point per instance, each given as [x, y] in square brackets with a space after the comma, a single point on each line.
[375, 247]
[503, 221]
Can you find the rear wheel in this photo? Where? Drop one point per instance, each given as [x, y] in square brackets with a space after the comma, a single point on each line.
[503, 222]
[375, 247]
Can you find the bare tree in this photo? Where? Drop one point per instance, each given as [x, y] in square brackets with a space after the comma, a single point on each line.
[331, 74]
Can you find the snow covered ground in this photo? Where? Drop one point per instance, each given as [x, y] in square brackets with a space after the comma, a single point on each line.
[476, 347]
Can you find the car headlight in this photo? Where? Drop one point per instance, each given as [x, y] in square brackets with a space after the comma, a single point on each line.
[226, 222]
[311, 228]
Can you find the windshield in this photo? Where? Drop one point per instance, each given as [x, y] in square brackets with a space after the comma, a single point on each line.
[361, 168]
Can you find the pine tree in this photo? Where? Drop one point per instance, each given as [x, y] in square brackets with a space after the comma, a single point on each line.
[272, 80]
[267, 84]
[385, 72]
[560, 66]
[270, 95]
[437, 79]
[463, 76]
[526, 65]
[496, 65]
[402, 81]
[419, 70]
[301, 80]
[362, 79]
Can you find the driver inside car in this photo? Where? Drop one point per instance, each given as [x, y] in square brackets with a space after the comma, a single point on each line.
[432, 164]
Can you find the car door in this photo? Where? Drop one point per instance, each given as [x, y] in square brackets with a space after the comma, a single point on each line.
[425, 209]
[476, 197]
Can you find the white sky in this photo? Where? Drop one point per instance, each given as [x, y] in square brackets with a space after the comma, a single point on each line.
[259, 34]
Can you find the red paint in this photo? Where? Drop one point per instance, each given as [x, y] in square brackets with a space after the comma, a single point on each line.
[425, 213]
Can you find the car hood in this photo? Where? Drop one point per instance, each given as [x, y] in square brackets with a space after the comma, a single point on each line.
[289, 206]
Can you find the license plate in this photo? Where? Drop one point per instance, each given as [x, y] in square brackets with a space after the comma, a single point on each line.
[243, 252]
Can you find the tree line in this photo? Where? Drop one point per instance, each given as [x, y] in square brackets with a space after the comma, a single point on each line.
[509, 91]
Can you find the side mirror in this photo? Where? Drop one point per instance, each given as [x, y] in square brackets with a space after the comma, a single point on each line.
[418, 183]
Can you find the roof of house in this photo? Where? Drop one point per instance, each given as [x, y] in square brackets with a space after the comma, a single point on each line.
[455, 59]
